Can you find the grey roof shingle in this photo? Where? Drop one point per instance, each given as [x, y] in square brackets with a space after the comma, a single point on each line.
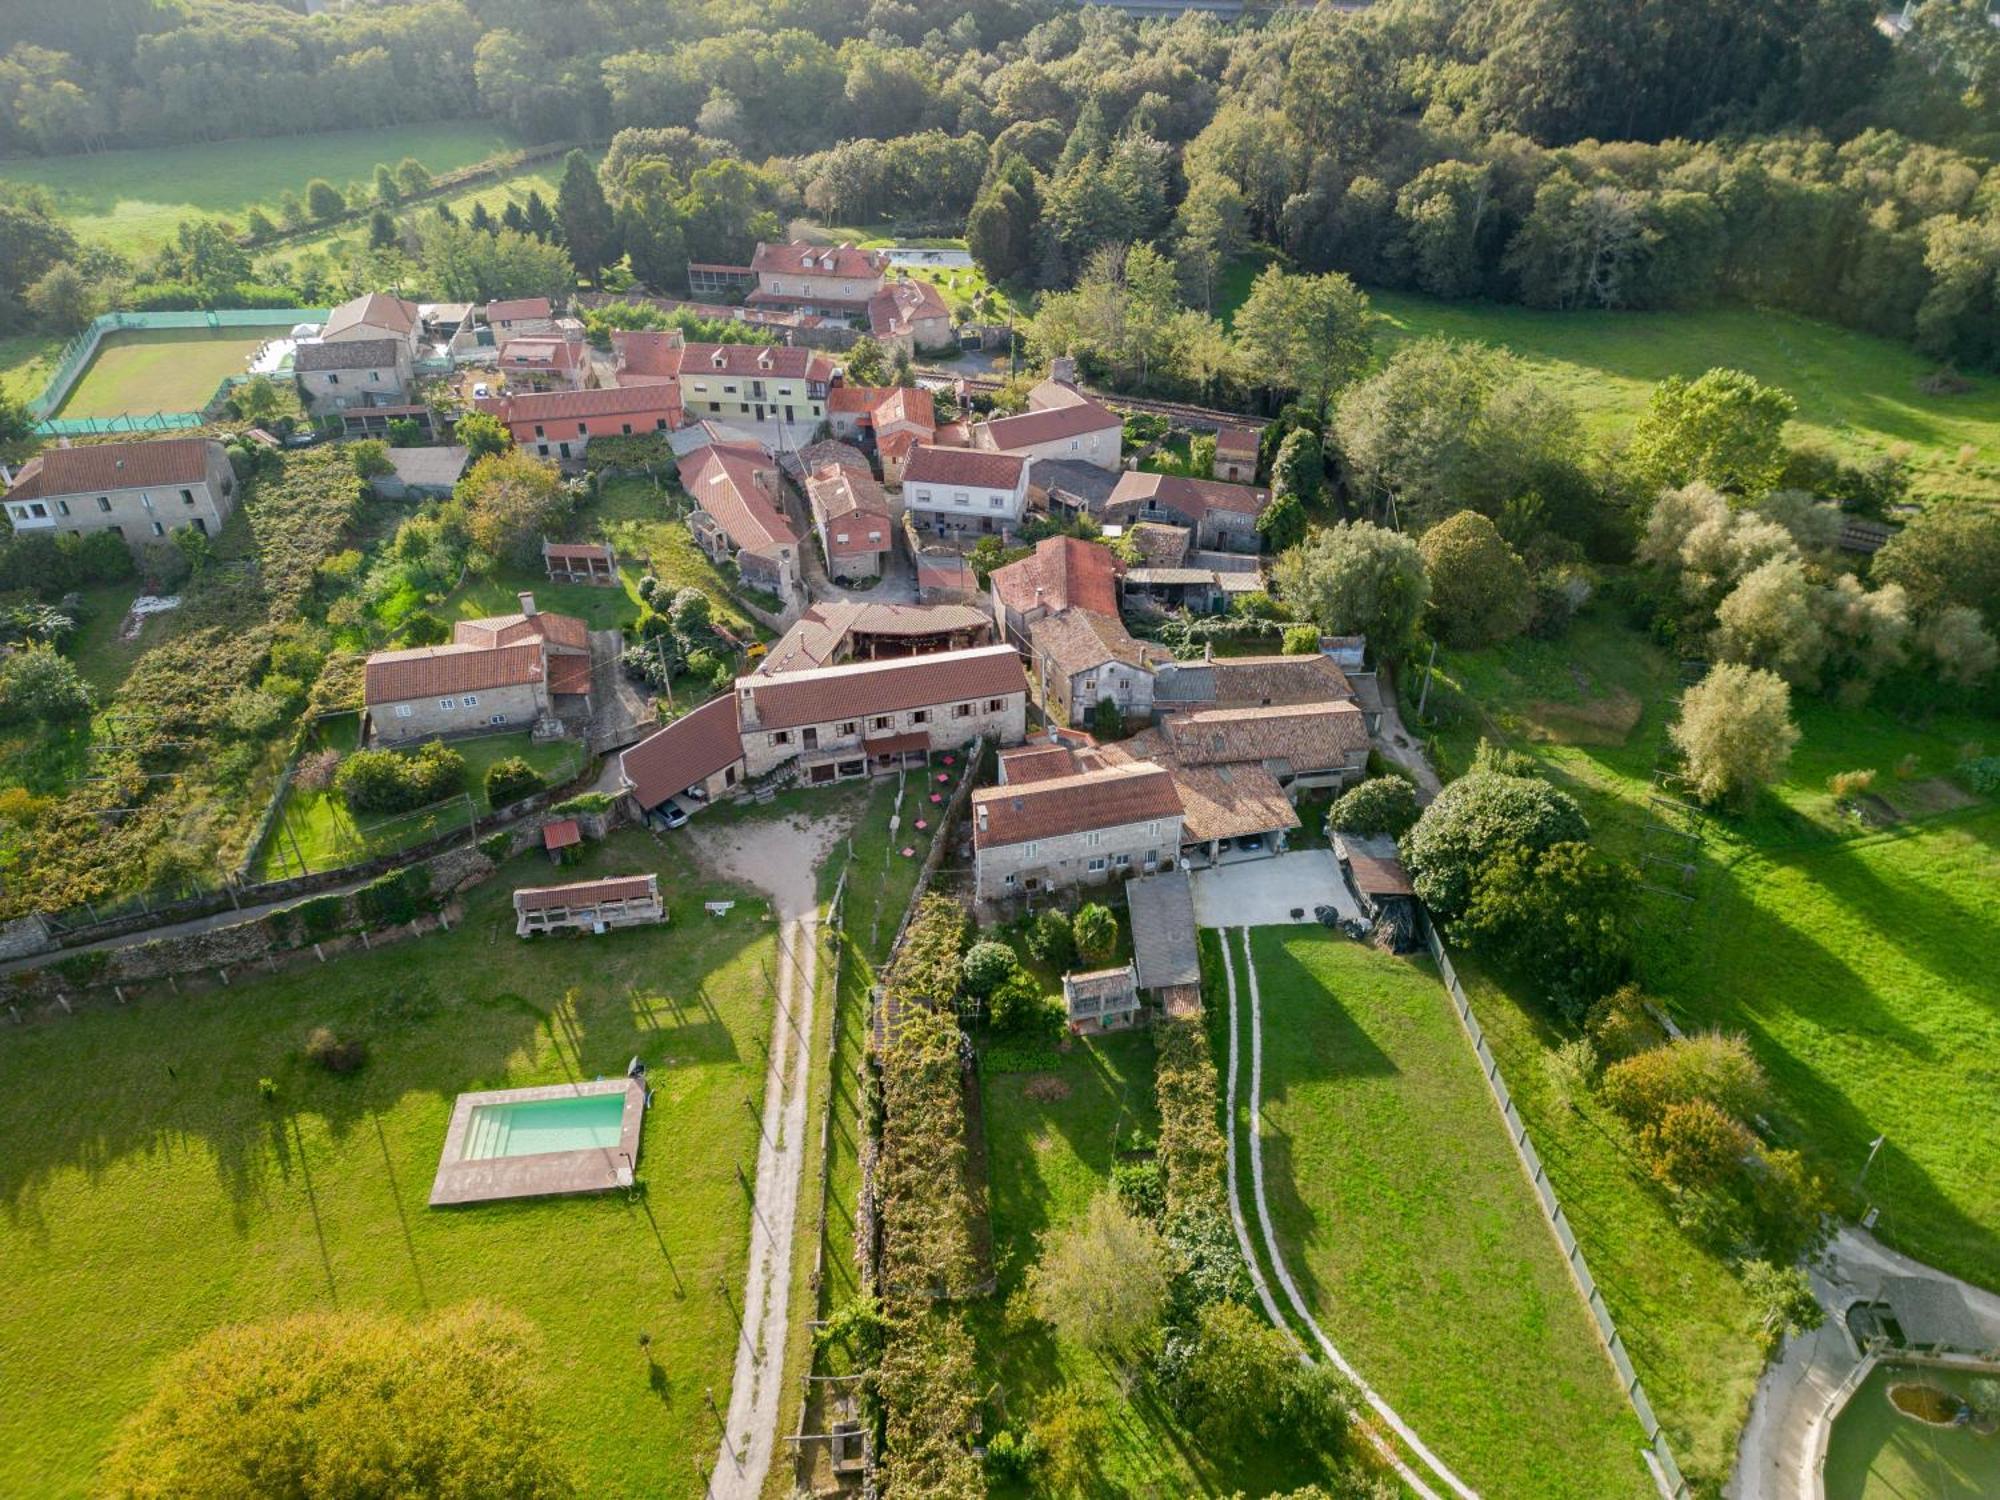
[1163, 931]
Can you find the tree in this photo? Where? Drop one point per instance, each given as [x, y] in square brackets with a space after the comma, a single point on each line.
[1784, 1302]
[324, 201]
[1725, 428]
[1472, 821]
[1707, 1065]
[1949, 553]
[1282, 523]
[1558, 916]
[692, 612]
[413, 178]
[1096, 933]
[512, 500]
[387, 193]
[1357, 579]
[1961, 650]
[1051, 939]
[481, 433]
[509, 780]
[1299, 469]
[1769, 620]
[1102, 1282]
[587, 227]
[1017, 1003]
[987, 966]
[370, 458]
[382, 234]
[1235, 1374]
[63, 300]
[1693, 1146]
[1300, 640]
[1067, 1435]
[346, 1403]
[1479, 586]
[1304, 333]
[1735, 732]
[1107, 719]
[38, 683]
[1381, 804]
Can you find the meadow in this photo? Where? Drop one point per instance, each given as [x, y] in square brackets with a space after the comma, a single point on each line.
[142, 371]
[132, 200]
[180, 1199]
[542, 177]
[1403, 1216]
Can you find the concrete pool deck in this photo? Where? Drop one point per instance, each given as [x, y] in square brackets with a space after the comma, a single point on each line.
[596, 1169]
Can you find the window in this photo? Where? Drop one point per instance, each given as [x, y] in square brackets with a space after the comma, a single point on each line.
[540, 433]
[994, 705]
[403, 710]
[960, 498]
[729, 390]
[1030, 849]
[542, 449]
[1123, 861]
[1074, 445]
[332, 379]
[471, 700]
[1097, 864]
[848, 728]
[496, 718]
[840, 536]
[158, 529]
[1152, 830]
[63, 506]
[582, 430]
[729, 776]
[660, 424]
[104, 503]
[626, 428]
[997, 502]
[1011, 879]
[374, 376]
[921, 716]
[447, 704]
[145, 500]
[715, 406]
[782, 737]
[961, 710]
[187, 497]
[880, 721]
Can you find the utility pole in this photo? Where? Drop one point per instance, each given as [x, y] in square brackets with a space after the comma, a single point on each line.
[1430, 670]
[1873, 1148]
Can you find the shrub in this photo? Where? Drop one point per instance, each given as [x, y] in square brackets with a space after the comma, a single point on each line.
[496, 846]
[423, 628]
[1095, 932]
[1785, 1304]
[1735, 729]
[1693, 1145]
[1017, 1003]
[395, 897]
[320, 917]
[1141, 1188]
[1107, 720]
[392, 781]
[326, 1049]
[370, 458]
[1208, 1263]
[1381, 804]
[1845, 786]
[926, 968]
[510, 780]
[1051, 940]
[1011, 1459]
[1558, 916]
[988, 966]
[1301, 640]
[1479, 588]
[1619, 1024]
[1708, 1065]
[37, 683]
[1981, 774]
[1191, 1146]
[1471, 820]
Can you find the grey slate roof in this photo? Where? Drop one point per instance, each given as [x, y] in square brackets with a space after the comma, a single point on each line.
[1085, 484]
[347, 354]
[1163, 937]
[1932, 1313]
[430, 467]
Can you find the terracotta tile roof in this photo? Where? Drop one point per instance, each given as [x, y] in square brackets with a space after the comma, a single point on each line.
[857, 689]
[569, 676]
[375, 310]
[851, 505]
[901, 304]
[1078, 640]
[348, 354]
[643, 401]
[1251, 681]
[909, 405]
[754, 361]
[1193, 498]
[1221, 801]
[519, 309]
[1031, 763]
[931, 464]
[1051, 424]
[729, 484]
[801, 259]
[561, 834]
[688, 751]
[654, 352]
[1236, 442]
[542, 352]
[587, 892]
[1159, 546]
[821, 633]
[1063, 573]
[430, 671]
[953, 435]
[1307, 736]
[113, 466]
[512, 630]
[1107, 798]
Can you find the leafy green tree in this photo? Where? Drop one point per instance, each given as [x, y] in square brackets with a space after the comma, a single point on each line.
[1299, 468]
[38, 683]
[324, 201]
[1724, 428]
[1307, 334]
[1783, 1299]
[1300, 640]
[346, 1403]
[587, 227]
[1559, 916]
[1234, 1376]
[1017, 1004]
[1948, 553]
[509, 780]
[512, 500]
[1693, 1146]
[1770, 619]
[1107, 719]
[988, 965]
[1068, 1435]
[1381, 804]
[1357, 579]
[1096, 934]
[1735, 732]
[1070, 1291]
[1479, 587]
[1472, 821]
[1051, 940]
[387, 192]
[382, 233]
[1704, 1065]
[413, 178]
[63, 300]
[370, 458]
[1282, 523]
[482, 433]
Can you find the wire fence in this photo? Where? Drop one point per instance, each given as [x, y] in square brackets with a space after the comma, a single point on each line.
[79, 351]
[1659, 1453]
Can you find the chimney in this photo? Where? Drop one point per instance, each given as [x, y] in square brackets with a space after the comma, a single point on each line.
[1062, 369]
[746, 708]
[1208, 651]
[527, 604]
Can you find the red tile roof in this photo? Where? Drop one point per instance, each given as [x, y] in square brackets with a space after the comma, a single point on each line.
[802, 259]
[684, 753]
[518, 309]
[880, 687]
[1031, 763]
[587, 892]
[901, 304]
[847, 496]
[728, 483]
[542, 351]
[1051, 424]
[653, 352]
[512, 630]
[1106, 798]
[885, 405]
[1189, 497]
[113, 466]
[769, 361]
[375, 310]
[428, 671]
[561, 834]
[569, 675]
[930, 464]
[1064, 573]
[649, 402]
[1236, 442]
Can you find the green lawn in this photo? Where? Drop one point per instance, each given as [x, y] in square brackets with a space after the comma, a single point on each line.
[150, 1194]
[315, 830]
[636, 516]
[131, 200]
[1403, 1215]
[543, 177]
[599, 607]
[162, 369]
[1856, 393]
[1877, 1453]
[26, 362]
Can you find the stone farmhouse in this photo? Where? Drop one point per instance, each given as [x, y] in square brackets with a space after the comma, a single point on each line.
[1061, 422]
[855, 286]
[739, 514]
[502, 672]
[520, 317]
[375, 316]
[1236, 455]
[1057, 821]
[1221, 516]
[1060, 605]
[137, 491]
[336, 374]
[854, 520]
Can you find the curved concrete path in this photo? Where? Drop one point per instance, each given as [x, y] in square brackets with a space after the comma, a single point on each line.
[1381, 1408]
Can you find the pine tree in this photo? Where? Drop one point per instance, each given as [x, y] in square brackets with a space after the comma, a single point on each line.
[541, 222]
[587, 226]
[481, 219]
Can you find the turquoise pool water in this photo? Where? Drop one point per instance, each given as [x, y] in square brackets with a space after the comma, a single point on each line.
[544, 1125]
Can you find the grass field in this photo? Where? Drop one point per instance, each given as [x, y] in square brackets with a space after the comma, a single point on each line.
[1416, 1242]
[150, 1194]
[131, 200]
[1877, 1453]
[542, 177]
[1857, 394]
[26, 362]
[161, 369]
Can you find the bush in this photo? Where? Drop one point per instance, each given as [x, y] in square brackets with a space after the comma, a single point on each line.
[1381, 804]
[1845, 786]
[585, 802]
[1012, 1459]
[1693, 1145]
[320, 917]
[510, 780]
[1619, 1024]
[496, 846]
[330, 1052]
[1471, 820]
[1141, 1188]
[1479, 588]
[1017, 1003]
[1558, 916]
[1095, 932]
[38, 683]
[1981, 774]
[988, 966]
[1050, 939]
[394, 898]
[1191, 1146]
[1107, 720]
[393, 781]
[1708, 1065]
[1301, 640]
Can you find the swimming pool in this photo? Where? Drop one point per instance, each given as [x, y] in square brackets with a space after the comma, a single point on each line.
[543, 1125]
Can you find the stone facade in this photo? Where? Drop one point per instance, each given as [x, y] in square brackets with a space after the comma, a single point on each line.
[1067, 860]
[946, 726]
[493, 710]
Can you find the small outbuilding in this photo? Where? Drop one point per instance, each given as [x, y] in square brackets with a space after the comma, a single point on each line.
[581, 562]
[1381, 886]
[421, 473]
[594, 906]
[1165, 962]
[562, 834]
[1102, 999]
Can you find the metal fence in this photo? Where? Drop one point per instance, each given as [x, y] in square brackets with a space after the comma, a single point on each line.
[78, 352]
[1659, 1454]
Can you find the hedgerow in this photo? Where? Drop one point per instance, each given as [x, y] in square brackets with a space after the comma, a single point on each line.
[1191, 1150]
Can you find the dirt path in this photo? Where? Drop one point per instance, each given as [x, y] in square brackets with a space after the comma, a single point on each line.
[781, 857]
[1397, 744]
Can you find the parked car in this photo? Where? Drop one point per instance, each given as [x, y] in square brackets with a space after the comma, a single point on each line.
[481, 391]
[669, 814]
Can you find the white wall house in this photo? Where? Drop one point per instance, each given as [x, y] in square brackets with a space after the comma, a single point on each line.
[956, 491]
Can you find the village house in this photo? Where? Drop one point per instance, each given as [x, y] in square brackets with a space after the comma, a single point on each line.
[908, 315]
[594, 906]
[832, 281]
[894, 419]
[959, 492]
[426, 473]
[1304, 746]
[502, 672]
[1080, 658]
[1236, 455]
[581, 562]
[1061, 422]
[1054, 824]
[739, 516]
[333, 376]
[546, 362]
[755, 382]
[520, 317]
[1102, 999]
[852, 516]
[377, 315]
[1248, 682]
[1221, 516]
[560, 424]
[833, 632]
[137, 491]
[694, 760]
[1165, 957]
[1068, 488]
[1063, 572]
[867, 717]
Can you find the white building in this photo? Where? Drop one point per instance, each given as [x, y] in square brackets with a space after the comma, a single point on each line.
[956, 491]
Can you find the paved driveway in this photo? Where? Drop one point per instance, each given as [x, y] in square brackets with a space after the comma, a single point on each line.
[1264, 892]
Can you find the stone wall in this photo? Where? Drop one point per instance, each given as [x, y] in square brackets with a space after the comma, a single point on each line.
[25, 936]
